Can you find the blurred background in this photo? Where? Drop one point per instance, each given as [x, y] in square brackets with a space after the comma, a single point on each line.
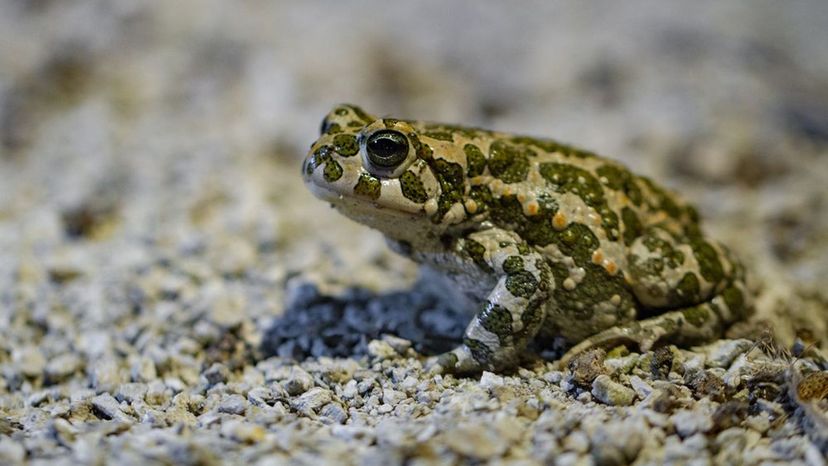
[135, 135]
[157, 243]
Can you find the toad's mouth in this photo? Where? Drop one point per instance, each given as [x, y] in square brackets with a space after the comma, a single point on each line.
[359, 208]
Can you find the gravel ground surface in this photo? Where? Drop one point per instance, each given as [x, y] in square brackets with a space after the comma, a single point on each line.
[171, 294]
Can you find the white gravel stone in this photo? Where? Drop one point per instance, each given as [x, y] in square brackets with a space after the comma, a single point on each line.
[108, 407]
[312, 400]
[490, 381]
[30, 361]
[233, 404]
[62, 367]
[131, 392]
[688, 422]
[724, 352]
[298, 381]
[11, 452]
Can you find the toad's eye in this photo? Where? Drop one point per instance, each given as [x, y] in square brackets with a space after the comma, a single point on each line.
[387, 148]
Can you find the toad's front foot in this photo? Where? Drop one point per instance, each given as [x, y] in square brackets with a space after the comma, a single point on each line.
[458, 361]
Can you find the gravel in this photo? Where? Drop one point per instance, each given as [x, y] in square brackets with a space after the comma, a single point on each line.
[170, 293]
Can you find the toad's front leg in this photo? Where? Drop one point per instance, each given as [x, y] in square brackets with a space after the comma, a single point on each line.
[512, 313]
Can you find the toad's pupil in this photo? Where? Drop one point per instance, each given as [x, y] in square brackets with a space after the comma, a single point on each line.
[387, 148]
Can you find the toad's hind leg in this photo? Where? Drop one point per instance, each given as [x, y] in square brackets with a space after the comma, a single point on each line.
[692, 325]
[697, 288]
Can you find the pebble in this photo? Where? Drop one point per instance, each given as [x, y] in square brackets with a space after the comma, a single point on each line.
[233, 404]
[131, 392]
[298, 381]
[688, 422]
[612, 393]
[105, 375]
[723, 352]
[490, 381]
[157, 393]
[11, 452]
[381, 350]
[392, 397]
[312, 400]
[109, 408]
[62, 367]
[30, 360]
[476, 441]
[242, 431]
[334, 412]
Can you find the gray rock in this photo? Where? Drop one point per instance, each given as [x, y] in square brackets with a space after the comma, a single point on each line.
[105, 375]
[107, 407]
[131, 392]
[157, 393]
[490, 381]
[722, 353]
[688, 422]
[309, 402]
[243, 432]
[217, 373]
[62, 367]
[298, 381]
[334, 412]
[477, 441]
[392, 397]
[261, 396]
[11, 452]
[30, 361]
[233, 404]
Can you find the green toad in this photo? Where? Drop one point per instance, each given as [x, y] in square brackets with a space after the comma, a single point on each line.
[549, 241]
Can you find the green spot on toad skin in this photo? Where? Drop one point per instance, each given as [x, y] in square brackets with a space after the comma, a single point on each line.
[482, 196]
[320, 156]
[597, 287]
[332, 171]
[412, 187]
[508, 163]
[522, 284]
[368, 186]
[513, 264]
[440, 135]
[497, 319]
[620, 179]
[709, 264]
[345, 145]
[476, 252]
[687, 290]
[361, 114]
[551, 146]
[531, 316]
[475, 160]
[662, 199]
[450, 176]
[696, 315]
[333, 128]
[567, 178]
[479, 351]
[507, 212]
[579, 242]
[632, 225]
[735, 301]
